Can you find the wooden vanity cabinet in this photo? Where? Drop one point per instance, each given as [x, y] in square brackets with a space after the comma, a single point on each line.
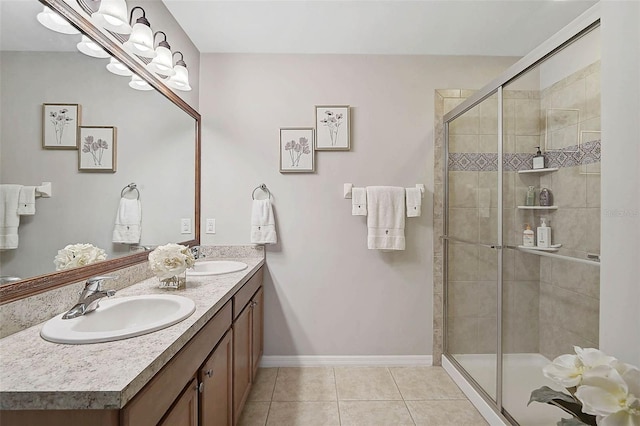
[185, 410]
[216, 385]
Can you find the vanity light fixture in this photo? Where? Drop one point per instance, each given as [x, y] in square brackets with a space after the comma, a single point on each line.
[91, 48]
[163, 62]
[112, 16]
[55, 22]
[180, 81]
[138, 83]
[141, 39]
[118, 68]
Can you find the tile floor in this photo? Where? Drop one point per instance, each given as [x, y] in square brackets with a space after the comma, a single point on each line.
[366, 396]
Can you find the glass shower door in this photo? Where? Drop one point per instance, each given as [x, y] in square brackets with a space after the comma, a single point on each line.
[472, 240]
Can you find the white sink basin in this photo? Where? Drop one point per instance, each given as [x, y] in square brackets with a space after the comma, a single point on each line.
[119, 318]
[216, 267]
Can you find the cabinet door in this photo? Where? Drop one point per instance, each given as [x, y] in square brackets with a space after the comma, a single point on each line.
[216, 397]
[185, 411]
[257, 321]
[241, 361]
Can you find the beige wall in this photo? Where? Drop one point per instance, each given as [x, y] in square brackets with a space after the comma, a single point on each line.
[326, 293]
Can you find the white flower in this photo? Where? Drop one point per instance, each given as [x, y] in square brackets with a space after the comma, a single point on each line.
[611, 393]
[75, 255]
[567, 370]
[170, 259]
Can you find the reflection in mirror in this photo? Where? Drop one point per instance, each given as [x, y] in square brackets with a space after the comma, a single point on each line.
[144, 138]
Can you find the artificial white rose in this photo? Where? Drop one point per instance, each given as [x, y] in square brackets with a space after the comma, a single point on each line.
[170, 260]
[75, 255]
[567, 370]
[611, 396]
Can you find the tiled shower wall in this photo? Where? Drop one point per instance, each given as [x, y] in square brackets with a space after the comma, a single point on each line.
[549, 305]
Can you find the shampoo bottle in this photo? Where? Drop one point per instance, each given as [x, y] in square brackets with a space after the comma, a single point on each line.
[528, 239]
[530, 198]
[544, 234]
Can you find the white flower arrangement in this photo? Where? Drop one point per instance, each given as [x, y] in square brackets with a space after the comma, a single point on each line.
[75, 255]
[602, 390]
[170, 260]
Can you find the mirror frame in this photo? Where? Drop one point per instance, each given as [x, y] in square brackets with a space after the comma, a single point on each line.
[39, 284]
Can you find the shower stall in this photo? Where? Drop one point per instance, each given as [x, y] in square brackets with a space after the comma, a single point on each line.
[510, 309]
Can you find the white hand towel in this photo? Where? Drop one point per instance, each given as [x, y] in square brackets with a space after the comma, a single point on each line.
[27, 201]
[359, 201]
[263, 224]
[128, 226]
[414, 202]
[385, 217]
[9, 218]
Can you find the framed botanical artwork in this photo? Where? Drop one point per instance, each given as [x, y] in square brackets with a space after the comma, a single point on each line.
[296, 150]
[333, 128]
[97, 150]
[60, 124]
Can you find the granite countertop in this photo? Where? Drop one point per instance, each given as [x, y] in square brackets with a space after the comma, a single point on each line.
[37, 374]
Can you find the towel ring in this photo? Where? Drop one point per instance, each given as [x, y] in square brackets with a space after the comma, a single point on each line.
[131, 187]
[263, 187]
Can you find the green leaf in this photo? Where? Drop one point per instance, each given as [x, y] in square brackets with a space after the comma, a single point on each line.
[545, 395]
[570, 422]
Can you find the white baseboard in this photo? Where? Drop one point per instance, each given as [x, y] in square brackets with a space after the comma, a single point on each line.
[493, 418]
[337, 361]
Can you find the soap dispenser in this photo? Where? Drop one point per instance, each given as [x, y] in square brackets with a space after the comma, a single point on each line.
[528, 239]
[538, 160]
[544, 234]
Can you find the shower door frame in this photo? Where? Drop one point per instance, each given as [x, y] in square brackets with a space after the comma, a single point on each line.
[574, 30]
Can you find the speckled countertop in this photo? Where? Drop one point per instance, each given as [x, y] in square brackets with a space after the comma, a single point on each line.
[36, 374]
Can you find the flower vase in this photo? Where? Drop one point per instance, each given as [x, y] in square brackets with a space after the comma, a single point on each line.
[175, 282]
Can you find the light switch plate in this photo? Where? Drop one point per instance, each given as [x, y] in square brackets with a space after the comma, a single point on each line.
[211, 226]
[185, 226]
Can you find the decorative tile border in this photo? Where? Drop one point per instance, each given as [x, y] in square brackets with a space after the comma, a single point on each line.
[575, 155]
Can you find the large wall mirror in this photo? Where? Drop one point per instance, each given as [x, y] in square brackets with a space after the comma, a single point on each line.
[156, 145]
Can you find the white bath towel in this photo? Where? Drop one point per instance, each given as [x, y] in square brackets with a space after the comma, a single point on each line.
[385, 217]
[359, 201]
[414, 202]
[263, 224]
[27, 201]
[128, 226]
[9, 218]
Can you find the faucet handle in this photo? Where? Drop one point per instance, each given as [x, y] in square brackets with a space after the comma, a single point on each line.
[96, 282]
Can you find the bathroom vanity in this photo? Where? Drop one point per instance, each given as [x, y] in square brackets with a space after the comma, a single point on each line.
[196, 372]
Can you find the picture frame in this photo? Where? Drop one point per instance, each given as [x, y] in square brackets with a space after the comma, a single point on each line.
[97, 149]
[60, 125]
[333, 128]
[296, 150]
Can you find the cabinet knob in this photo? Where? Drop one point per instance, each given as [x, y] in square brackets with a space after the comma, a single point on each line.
[201, 387]
[209, 373]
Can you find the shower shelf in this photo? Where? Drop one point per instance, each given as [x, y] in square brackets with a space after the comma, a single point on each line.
[554, 247]
[538, 207]
[550, 169]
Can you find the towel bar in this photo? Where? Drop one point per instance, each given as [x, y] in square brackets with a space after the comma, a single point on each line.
[263, 187]
[348, 188]
[131, 187]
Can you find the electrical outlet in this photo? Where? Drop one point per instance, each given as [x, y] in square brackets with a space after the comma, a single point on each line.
[185, 226]
[211, 226]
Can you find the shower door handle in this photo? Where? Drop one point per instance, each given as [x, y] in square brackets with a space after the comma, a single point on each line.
[459, 240]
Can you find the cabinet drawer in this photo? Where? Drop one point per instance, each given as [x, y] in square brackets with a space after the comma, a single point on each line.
[244, 295]
[153, 401]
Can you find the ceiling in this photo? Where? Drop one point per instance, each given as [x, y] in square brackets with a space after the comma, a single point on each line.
[453, 27]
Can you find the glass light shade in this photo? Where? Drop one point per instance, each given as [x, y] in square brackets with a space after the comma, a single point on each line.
[180, 81]
[55, 22]
[140, 41]
[112, 15]
[163, 63]
[116, 67]
[139, 84]
[91, 48]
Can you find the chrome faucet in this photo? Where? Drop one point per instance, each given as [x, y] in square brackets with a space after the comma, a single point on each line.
[90, 297]
[196, 251]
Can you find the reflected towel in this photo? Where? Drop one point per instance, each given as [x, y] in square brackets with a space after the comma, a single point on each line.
[359, 202]
[385, 217]
[263, 224]
[9, 218]
[414, 202]
[27, 201]
[128, 226]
